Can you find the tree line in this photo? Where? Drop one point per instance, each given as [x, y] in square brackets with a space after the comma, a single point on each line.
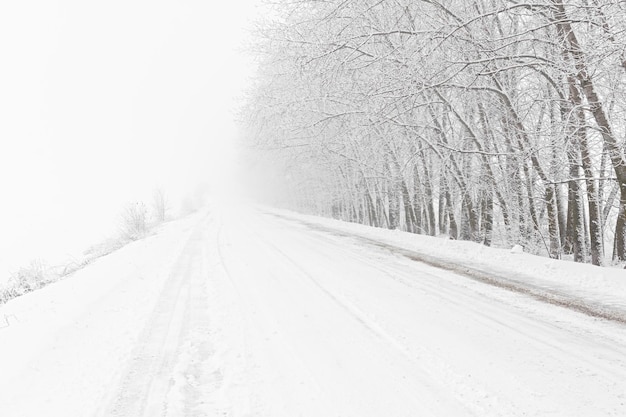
[497, 121]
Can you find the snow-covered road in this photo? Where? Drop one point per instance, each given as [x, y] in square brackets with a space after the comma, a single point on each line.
[338, 329]
[257, 315]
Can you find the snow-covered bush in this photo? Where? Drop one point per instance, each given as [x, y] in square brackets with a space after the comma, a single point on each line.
[29, 278]
[134, 221]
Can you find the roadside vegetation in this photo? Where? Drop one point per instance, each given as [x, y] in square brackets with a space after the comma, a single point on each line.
[498, 122]
[136, 221]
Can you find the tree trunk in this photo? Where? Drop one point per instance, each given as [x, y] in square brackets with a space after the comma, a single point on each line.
[595, 222]
[394, 206]
[429, 200]
[409, 214]
[443, 205]
[553, 222]
[619, 244]
[454, 229]
[575, 240]
[487, 218]
[618, 160]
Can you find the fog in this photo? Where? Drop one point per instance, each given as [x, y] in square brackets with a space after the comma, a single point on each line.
[101, 103]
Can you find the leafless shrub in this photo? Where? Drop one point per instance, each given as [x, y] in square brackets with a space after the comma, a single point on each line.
[134, 223]
[29, 278]
[159, 205]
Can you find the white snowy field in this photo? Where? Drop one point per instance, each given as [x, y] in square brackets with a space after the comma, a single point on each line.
[255, 312]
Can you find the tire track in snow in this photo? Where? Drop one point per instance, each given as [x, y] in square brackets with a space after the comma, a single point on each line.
[455, 293]
[492, 313]
[241, 337]
[491, 317]
[435, 370]
[145, 387]
[256, 325]
[545, 295]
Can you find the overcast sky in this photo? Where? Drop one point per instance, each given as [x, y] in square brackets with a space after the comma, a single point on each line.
[101, 102]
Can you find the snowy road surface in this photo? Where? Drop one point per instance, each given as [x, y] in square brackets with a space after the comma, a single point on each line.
[244, 313]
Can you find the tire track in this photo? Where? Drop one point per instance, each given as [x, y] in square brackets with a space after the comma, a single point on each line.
[489, 314]
[545, 295]
[434, 370]
[143, 388]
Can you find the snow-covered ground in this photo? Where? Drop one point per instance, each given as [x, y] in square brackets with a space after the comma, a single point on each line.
[588, 288]
[246, 312]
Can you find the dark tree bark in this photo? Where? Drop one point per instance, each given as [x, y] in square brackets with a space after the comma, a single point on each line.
[429, 200]
[616, 153]
[596, 247]
[575, 234]
[487, 218]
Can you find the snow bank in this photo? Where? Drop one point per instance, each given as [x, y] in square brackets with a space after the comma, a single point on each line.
[593, 290]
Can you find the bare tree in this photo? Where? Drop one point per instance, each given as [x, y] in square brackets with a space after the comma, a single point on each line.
[490, 121]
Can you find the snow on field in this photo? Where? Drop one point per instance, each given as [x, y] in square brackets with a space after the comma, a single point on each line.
[246, 312]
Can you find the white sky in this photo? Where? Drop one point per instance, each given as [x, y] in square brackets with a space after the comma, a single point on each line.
[102, 101]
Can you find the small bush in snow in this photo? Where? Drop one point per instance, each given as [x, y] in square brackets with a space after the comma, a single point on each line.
[29, 278]
[134, 221]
